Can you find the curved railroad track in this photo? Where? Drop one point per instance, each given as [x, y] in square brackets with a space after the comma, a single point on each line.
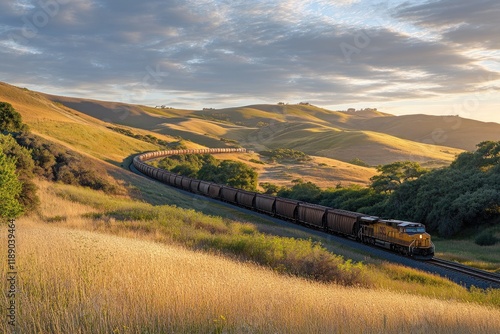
[458, 273]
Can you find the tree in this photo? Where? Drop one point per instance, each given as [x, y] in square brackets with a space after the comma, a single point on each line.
[232, 173]
[486, 156]
[302, 191]
[393, 175]
[24, 169]
[10, 188]
[10, 119]
[238, 175]
[270, 188]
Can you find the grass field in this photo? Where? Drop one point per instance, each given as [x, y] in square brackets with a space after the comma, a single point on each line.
[77, 277]
[463, 249]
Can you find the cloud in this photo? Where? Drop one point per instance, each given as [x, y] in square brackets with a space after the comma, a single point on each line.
[469, 23]
[232, 50]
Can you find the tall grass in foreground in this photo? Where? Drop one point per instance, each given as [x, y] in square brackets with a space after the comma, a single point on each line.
[73, 281]
[194, 230]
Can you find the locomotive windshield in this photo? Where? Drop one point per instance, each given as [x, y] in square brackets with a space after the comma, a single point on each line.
[415, 229]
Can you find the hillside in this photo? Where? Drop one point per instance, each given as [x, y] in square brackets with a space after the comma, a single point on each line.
[87, 131]
[452, 131]
[372, 136]
[71, 128]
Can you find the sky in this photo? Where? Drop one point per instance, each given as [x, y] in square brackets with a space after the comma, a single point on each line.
[438, 57]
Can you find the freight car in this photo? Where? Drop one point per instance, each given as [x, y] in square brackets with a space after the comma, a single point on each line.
[408, 238]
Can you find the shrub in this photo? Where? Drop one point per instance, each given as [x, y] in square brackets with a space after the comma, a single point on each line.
[10, 188]
[24, 170]
[286, 155]
[10, 119]
[485, 238]
[56, 163]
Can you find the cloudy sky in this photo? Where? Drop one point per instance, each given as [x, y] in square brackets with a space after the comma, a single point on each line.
[403, 57]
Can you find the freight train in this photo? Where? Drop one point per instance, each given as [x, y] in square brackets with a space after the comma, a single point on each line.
[407, 238]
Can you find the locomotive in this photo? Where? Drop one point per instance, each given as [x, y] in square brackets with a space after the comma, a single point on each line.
[407, 238]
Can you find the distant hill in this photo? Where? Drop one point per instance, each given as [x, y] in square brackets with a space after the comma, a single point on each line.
[87, 130]
[369, 136]
[316, 131]
[451, 131]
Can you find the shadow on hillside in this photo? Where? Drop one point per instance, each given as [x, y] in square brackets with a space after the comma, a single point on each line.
[117, 113]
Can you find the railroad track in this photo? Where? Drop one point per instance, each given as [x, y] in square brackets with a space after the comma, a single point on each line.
[463, 274]
[477, 273]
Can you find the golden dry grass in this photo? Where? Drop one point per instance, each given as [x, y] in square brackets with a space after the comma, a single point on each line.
[84, 282]
[324, 172]
[198, 126]
[74, 279]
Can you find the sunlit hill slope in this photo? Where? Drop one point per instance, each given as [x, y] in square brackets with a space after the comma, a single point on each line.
[369, 136]
[372, 136]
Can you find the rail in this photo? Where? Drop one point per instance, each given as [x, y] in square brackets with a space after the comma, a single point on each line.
[474, 272]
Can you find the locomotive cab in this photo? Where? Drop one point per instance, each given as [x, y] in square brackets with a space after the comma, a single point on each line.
[408, 238]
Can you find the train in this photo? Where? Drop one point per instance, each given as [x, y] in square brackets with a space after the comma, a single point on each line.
[404, 237]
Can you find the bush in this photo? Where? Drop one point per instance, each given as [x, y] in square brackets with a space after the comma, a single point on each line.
[56, 163]
[485, 238]
[286, 155]
[10, 188]
[10, 119]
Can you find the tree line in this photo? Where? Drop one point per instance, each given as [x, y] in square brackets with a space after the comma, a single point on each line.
[447, 200]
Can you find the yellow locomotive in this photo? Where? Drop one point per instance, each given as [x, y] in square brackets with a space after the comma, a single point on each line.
[408, 238]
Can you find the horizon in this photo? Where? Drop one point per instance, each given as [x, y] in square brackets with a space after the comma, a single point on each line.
[363, 106]
[428, 57]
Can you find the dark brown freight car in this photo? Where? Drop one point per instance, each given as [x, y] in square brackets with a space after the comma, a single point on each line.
[265, 203]
[311, 214]
[286, 208]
